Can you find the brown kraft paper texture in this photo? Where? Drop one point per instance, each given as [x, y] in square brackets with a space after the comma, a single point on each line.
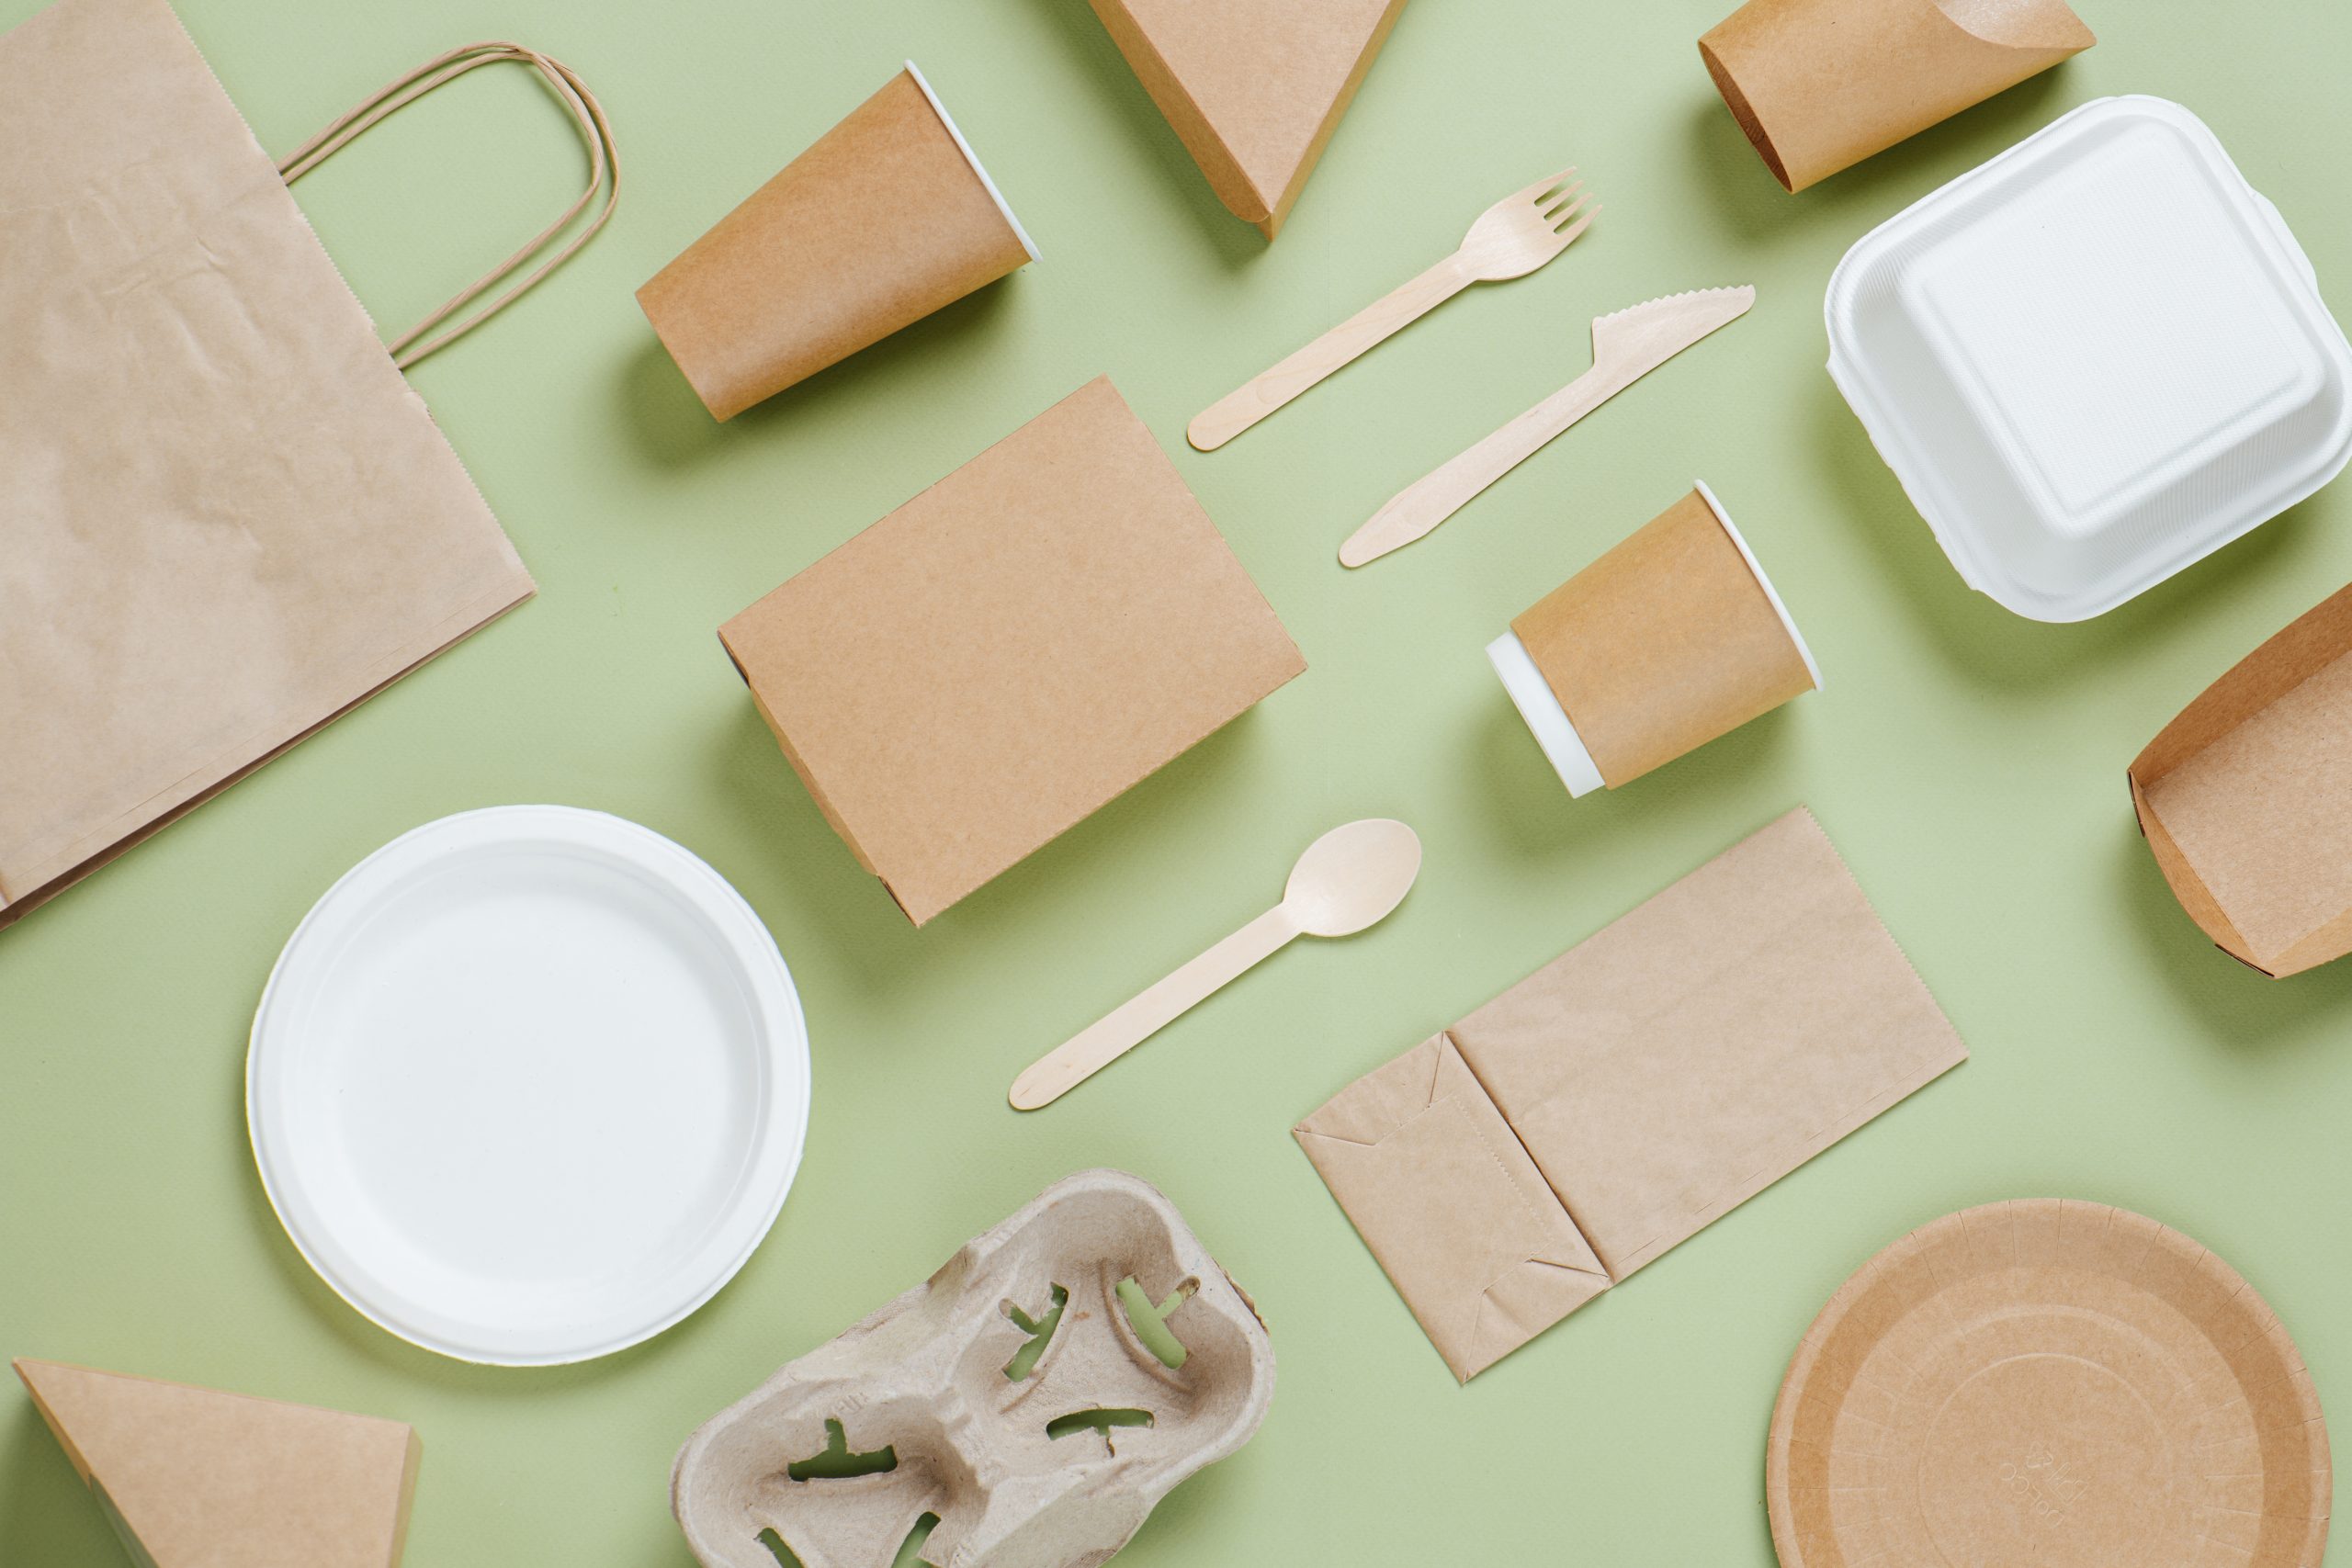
[1631, 1092]
[230, 518]
[2246, 798]
[1009, 651]
[1819, 85]
[879, 223]
[1663, 644]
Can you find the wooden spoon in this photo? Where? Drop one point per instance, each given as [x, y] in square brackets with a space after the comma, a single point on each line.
[1347, 880]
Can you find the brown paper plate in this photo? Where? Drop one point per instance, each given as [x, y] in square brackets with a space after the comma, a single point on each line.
[2047, 1384]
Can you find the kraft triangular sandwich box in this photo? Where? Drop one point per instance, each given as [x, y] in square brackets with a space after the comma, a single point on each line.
[192, 1478]
[1254, 88]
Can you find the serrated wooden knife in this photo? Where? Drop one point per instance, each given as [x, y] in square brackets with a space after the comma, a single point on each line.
[1626, 345]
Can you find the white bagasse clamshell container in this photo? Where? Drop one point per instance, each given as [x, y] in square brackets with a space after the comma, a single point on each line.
[2094, 360]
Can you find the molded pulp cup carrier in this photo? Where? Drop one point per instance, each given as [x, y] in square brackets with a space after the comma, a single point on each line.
[2094, 360]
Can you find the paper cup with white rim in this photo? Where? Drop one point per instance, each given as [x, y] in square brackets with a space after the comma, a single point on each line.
[1673, 638]
[884, 218]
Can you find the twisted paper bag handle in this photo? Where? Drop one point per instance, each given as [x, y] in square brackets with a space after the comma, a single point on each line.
[605, 174]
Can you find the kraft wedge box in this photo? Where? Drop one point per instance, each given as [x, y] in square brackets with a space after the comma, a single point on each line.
[1819, 85]
[192, 1478]
[2048, 1381]
[1024, 1407]
[884, 218]
[1673, 638]
[1009, 651]
[2246, 798]
[1254, 88]
[1623, 1098]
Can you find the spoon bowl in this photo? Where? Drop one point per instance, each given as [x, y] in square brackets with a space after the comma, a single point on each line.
[1352, 877]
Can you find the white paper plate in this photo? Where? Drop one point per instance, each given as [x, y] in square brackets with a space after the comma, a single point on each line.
[528, 1085]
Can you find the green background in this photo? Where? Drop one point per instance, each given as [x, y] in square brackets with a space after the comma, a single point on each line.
[1969, 764]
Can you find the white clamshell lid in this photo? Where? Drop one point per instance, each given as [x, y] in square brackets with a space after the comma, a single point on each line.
[2093, 360]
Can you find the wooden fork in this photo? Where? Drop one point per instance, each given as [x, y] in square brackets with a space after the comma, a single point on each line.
[1510, 239]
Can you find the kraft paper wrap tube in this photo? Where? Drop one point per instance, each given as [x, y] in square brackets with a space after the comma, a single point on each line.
[1673, 638]
[1821, 84]
[886, 217]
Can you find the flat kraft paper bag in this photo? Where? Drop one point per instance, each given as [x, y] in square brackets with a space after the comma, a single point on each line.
[196, 1478]
[1626, 1095]
[224, 516]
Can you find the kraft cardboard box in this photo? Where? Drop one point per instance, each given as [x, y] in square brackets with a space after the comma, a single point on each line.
[1254, 88]
[192, 1478]
[2246, 798]
[1007, 652]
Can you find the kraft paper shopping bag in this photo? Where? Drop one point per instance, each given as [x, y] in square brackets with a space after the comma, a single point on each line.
[225, 518]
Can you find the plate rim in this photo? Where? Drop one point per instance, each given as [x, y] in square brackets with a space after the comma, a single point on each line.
[788, 1058]
[1779, 1434]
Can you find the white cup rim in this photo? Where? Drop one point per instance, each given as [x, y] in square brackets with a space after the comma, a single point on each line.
[1549, 722]
[972, 158]
[1757, 568]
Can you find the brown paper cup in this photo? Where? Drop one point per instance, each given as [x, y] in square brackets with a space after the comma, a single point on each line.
[1673, 638]
[886, 217]
[1821, 84]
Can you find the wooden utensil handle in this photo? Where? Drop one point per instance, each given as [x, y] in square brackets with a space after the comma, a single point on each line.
[1437, 495]
[1235, 412]
[1125, 1028]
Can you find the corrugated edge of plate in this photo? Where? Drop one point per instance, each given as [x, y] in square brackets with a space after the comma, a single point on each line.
[730, 898]
[1869, 408]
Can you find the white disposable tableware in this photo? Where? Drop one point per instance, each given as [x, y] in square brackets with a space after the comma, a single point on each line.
[2093, 360]
[528, 1085]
